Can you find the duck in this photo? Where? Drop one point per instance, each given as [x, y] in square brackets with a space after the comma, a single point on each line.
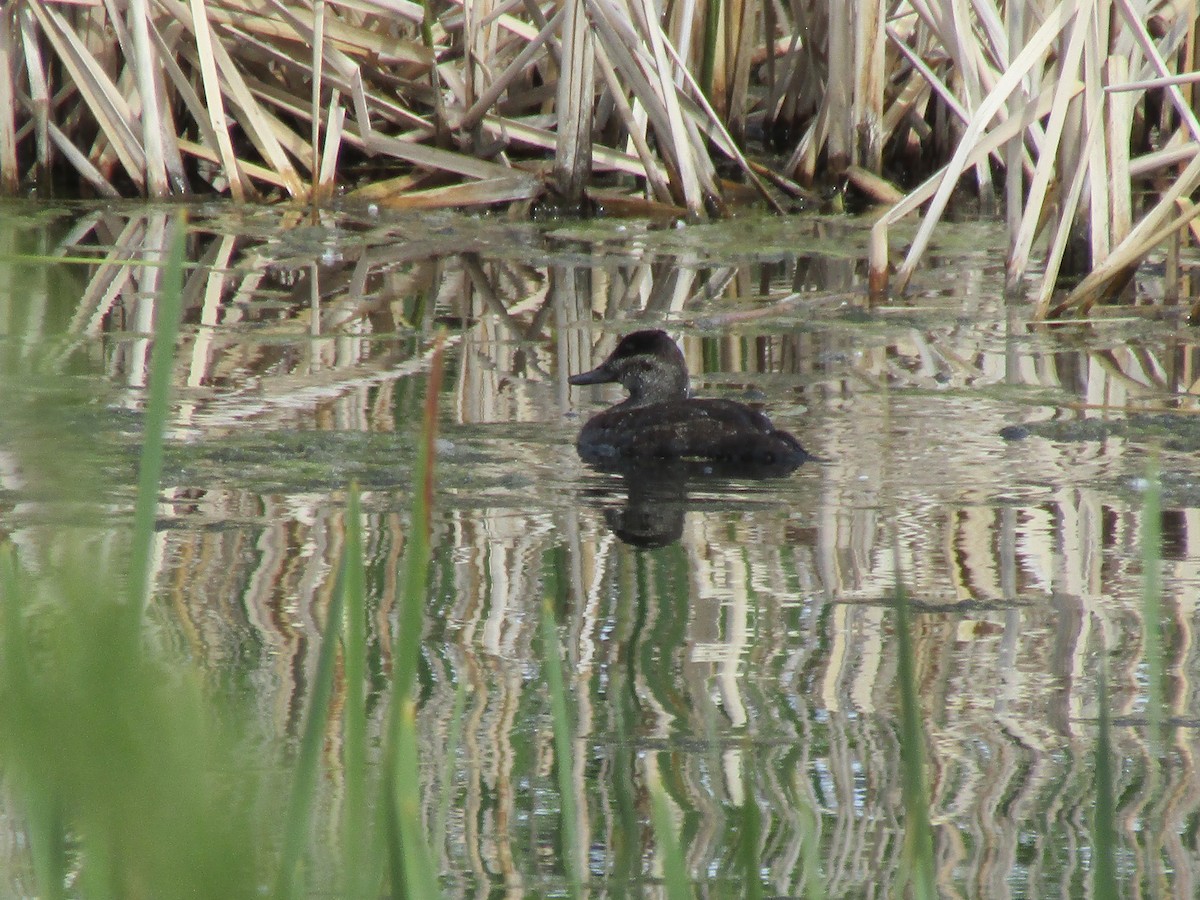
[660, 420]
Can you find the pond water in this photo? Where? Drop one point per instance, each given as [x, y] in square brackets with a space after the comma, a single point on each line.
[734, 638]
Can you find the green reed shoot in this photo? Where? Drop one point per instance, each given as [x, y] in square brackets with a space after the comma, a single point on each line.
[410, 859]
[572, 851]
[918, 837]
[452, 740]
[1152, 601]
[47, 837]
[356, 851]
[750, 841]
[1104, 868]
[168, 310]
[809, 827]
[298, 822]
[679, 887]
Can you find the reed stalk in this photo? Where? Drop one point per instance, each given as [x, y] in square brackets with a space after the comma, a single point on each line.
[750, 844]
[360, 877]
[572, 849]
[809, 858]
[678, 886]
[42, 807]
[1104, 843]
[167, 314]
[299, 818]
[453, 739]
[1152, 602]
[918, 837]
[410, 859]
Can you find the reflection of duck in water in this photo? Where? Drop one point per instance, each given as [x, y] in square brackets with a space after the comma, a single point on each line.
[660, 421]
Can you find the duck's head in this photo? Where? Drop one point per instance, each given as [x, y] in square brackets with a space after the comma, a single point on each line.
[648, 364]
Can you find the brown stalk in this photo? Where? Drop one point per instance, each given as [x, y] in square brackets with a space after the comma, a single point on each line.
[653, 173]
[741, 39]
[145, 65]
[710, 124]
[39, 92]
[1088, 121]
[1035, 197]
[1029, 56]
[961, 40]
[878, 253]
[576, 91]
[501, 83]
[1138, 28]
[102, 97]
[676, 132]
[1066, 216]
[869, 85]
[476, 193]
[326, 174]
[1145, 235]
[10, 177]
[318, 61]
[836, 110]
[214, 103]
[620, 51]
[257, 123]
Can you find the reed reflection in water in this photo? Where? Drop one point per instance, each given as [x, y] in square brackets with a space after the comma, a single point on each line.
[747, 659]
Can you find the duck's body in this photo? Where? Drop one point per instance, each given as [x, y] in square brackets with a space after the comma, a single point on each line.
[661, 421]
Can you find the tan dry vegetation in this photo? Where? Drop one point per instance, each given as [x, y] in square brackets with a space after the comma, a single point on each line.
[1066, 108]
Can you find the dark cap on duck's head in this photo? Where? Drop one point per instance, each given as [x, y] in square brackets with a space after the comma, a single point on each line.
[648, 364]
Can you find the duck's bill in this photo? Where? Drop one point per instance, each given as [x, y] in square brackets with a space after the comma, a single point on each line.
[598, 375]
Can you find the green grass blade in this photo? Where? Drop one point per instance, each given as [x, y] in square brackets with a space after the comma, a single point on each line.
[1104, 841]
[918, 837]
[48, 844]
[417, 875]
[679, 887]
[552, 660]
[167, 314]
[416, 564]
[304, 780]
[47, 838]
[355, 848]
[452, 740]
[750, 842]
[810, 861]
[409, 854]
[1152, 602]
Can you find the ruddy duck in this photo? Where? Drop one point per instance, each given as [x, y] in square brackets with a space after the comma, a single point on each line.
[659, 420]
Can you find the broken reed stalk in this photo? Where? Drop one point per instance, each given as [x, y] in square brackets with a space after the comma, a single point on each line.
[270, 100]
[1081, 55]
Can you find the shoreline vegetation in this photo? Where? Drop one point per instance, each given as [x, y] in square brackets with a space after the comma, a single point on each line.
[1077, 116]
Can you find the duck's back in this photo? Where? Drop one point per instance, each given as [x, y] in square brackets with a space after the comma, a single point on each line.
[713, 429]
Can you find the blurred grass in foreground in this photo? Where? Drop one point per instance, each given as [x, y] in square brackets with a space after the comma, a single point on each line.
[128, 778]
[132, 774]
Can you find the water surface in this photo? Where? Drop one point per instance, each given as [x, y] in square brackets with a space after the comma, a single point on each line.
[735, 637]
